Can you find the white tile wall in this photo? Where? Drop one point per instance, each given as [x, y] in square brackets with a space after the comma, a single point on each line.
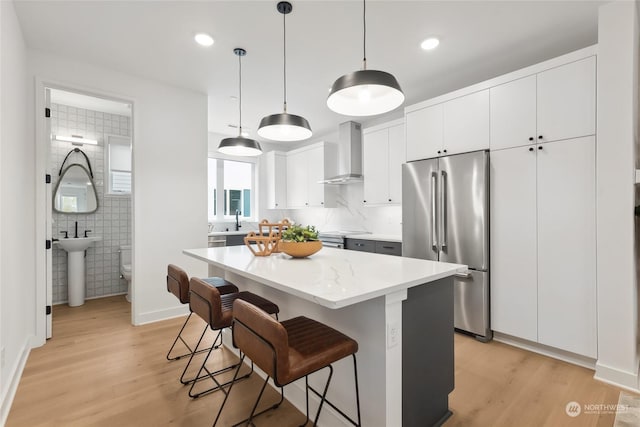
[112, 220]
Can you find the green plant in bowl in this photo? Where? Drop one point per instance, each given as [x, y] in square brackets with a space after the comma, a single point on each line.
[300, 242]
[298, 233]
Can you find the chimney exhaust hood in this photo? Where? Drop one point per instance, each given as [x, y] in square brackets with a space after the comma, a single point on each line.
[349, 155]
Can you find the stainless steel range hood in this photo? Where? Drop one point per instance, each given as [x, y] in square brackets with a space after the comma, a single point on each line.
[349, 155]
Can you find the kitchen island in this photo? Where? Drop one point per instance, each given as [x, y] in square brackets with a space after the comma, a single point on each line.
[400, 310]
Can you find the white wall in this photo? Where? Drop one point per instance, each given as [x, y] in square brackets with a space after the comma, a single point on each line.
[616, 259]
[169, 173]
[17, 206]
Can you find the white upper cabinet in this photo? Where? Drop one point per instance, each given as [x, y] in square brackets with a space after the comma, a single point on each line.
[457, 126]
[305, 168]
[466, 123]
[397, 157]
[383, 156]
[556, 104]
[567, 101]
[513, 113]
[376, 167]
[275, 164]
[297, 180]
[424, 133]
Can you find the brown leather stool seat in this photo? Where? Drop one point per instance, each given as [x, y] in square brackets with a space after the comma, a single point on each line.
[289, 350]
[217, 310]
[178, 284]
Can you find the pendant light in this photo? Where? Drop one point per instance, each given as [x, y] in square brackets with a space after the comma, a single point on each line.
[240, 146]
[365, 92]
[284, 126]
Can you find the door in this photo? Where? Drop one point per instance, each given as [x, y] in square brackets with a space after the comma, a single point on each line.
[376, 167]
[297, 180]
[471, 302]
[424, 133]
[49, 217]
[514, 263]
[315, 174]
[566, 246]
[419, 207]
[567, 101]
[513, 114]
[464, 203]
[397, 156]
[466, 123]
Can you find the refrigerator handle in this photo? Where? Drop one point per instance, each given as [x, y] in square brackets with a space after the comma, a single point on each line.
[434, 216]
[443, 209]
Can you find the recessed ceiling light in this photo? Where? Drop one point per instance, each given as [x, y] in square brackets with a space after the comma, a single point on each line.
[204, 39]
[430, 43]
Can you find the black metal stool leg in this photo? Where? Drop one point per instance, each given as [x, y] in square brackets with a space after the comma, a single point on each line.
[182, 380]
[228, 392]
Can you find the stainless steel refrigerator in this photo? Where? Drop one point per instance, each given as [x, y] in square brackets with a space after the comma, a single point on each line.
[445, 217]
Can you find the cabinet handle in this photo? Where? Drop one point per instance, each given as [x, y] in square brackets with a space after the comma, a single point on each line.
[539, 136]
[540, 147]
[530, 138]
[389, 199]
[359, 245]
[276, 204]
[530, 148]
[364, 201]
[387, 247]
[322, 203]
[445, 151]
[438, 151]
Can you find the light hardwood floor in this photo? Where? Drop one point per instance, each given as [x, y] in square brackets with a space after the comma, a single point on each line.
[98, 370]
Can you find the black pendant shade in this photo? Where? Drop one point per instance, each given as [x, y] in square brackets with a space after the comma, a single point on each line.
[284, 126]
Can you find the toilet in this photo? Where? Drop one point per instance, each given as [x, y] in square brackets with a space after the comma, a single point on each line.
[125, 267]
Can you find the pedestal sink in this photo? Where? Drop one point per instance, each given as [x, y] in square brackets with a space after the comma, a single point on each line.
[75, 272]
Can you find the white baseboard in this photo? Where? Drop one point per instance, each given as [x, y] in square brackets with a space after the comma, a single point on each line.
[16, 374]
[158, 315]
[566, 356]
[295, 394]
[617, 377]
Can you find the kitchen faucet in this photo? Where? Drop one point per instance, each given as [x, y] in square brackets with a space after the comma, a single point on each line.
[237, 222]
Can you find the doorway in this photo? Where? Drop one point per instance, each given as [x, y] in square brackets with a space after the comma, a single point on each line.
[92, 136]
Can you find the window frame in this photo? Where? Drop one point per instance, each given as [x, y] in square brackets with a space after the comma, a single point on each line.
[253, 200]
[107, 166]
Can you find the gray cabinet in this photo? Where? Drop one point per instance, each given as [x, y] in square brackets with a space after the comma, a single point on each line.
[374, 246]
[235, 239]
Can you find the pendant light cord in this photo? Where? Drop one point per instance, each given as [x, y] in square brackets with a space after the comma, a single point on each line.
[364, 34]
[284, 66]
[240, 94]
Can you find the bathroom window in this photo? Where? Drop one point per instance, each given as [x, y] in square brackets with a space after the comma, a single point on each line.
[234, 181]
[118, 165]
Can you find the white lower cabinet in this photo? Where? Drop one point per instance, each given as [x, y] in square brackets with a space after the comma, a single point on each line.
[543, 285]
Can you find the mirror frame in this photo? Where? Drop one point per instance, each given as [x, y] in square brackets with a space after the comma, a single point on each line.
[93, 186]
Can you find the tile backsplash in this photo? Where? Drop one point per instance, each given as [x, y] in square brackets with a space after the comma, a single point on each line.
[112, 220]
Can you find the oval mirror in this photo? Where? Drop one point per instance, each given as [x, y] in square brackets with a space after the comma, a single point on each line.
[75, 192]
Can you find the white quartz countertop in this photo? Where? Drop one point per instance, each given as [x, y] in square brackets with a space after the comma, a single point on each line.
[378, 237]
[333, 278]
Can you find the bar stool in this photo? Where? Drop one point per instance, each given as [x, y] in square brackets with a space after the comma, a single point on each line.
[287, 351]
[178, 284]
[217, 310]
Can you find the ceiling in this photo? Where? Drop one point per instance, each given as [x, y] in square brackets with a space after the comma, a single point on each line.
[154, 39]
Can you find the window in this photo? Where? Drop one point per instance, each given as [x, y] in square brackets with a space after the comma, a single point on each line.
[234, 181]
[118, 165]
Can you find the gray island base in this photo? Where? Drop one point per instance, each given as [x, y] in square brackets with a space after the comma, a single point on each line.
[400, 310]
